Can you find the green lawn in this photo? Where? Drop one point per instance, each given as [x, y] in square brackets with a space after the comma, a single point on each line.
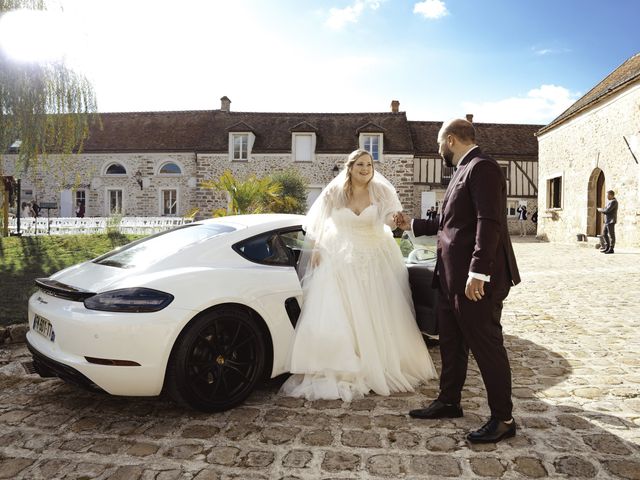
[23, 259]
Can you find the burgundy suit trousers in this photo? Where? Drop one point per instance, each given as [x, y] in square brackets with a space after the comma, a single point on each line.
[465, 325]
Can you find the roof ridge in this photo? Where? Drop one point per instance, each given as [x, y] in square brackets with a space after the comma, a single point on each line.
[576, 107]
[318, 113]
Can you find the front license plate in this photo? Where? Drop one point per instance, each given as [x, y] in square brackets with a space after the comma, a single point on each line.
[43, 327]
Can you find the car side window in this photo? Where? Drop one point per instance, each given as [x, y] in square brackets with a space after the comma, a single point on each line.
[271, 248]
[294, 242]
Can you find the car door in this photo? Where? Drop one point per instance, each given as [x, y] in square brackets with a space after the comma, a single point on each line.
[420, 261]
[278, 251]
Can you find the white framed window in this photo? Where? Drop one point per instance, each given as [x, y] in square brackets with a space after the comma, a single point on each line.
[81, 196]
[115, 169]
[115, 206]
[554, 192]
[240, 146]
[169, 202]
[170, 168]
[512, 208]
[303, 146]
[372, 143]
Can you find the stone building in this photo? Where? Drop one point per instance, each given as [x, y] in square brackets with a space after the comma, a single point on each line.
[152, 163]
[589, 149]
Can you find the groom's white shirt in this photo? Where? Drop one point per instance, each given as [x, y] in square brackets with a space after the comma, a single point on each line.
[479, 276]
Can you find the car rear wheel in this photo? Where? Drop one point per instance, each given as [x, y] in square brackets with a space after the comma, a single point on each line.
[218, 361]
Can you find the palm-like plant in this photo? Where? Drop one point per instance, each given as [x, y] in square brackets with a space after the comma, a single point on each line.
[253, 195]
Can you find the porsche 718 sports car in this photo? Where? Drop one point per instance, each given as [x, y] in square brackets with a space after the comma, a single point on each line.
[203, 312]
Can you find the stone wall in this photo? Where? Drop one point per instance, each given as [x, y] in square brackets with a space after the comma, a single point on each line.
[87, 172]
[593, 140]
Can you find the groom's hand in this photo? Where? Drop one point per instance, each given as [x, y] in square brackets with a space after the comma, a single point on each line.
[474, 290]
[402, 221]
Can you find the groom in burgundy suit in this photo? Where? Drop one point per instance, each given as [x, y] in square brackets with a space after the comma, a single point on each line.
[475, 269]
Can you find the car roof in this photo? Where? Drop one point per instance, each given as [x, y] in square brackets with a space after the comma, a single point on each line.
[265, 221]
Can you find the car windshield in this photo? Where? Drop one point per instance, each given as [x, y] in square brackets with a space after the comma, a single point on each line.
[417, 250]
[151, 249]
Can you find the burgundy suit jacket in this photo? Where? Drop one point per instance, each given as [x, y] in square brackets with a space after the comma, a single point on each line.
[472, 231]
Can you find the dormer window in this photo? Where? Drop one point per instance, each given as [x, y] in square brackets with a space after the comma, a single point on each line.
[116, 169]
[241, 138]
[372, 143]
[303, 142]
[371, 137]
[303, 146]
[240, 146]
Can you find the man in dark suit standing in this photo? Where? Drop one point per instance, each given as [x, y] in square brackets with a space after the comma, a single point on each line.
[475, 269]
[610, 218]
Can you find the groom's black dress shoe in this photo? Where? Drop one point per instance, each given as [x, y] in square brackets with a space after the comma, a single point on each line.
[493, 431]
[438, 409]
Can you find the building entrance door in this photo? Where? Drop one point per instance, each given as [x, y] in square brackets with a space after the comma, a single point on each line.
[595, 199]
[66, 204]
[600, 199]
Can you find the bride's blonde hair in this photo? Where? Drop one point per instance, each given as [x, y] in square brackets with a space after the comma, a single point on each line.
[353, 158]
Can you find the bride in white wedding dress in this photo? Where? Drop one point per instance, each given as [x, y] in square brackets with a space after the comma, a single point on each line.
[357, 331]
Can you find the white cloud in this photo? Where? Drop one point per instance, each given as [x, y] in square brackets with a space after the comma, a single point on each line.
[431, 9]
[549, 51]
[340, 17]
[540, 105]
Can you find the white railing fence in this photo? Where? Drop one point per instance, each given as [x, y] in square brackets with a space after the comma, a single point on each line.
[74, 225]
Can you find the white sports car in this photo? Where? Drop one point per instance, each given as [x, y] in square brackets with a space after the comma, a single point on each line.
[204, 312]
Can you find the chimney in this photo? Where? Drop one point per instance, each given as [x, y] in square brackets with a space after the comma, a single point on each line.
[225, 104]
[470, 117]
[395, 106]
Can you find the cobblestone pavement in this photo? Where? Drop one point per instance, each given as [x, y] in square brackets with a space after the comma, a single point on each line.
[573, 333]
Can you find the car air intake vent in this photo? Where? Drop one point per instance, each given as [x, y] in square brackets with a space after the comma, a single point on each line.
[57, 289]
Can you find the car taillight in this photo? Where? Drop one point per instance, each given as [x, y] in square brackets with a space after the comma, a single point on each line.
[136, 300]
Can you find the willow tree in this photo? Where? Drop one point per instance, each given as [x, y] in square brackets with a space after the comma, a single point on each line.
[45, 107]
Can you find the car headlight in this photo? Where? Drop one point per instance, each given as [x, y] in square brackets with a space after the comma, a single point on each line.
[135, 300]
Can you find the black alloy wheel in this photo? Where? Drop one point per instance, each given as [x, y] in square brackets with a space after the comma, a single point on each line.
[218, 361]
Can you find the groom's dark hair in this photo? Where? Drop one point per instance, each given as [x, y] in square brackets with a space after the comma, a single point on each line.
[461, 129]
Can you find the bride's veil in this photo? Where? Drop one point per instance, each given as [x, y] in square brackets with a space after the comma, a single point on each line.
[332, 197]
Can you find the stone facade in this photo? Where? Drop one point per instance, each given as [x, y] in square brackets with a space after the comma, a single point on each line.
[88, 172]
[578, 150]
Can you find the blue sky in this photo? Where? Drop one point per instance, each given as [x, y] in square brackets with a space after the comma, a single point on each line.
[520, 61]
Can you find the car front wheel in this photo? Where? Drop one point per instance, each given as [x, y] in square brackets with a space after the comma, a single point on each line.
[217, 361]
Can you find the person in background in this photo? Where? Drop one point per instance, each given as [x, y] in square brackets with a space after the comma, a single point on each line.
[522, 220]
[26, 211]
[80, 209]
[610, 218]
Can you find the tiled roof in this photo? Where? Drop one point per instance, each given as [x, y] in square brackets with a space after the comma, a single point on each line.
[149, 131]
[621, 77]
[207, 131]
[497, 139]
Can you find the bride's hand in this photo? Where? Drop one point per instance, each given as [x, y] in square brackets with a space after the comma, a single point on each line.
[402, 220]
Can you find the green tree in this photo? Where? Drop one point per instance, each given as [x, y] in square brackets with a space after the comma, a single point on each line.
[46, 105]
[293, 198]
